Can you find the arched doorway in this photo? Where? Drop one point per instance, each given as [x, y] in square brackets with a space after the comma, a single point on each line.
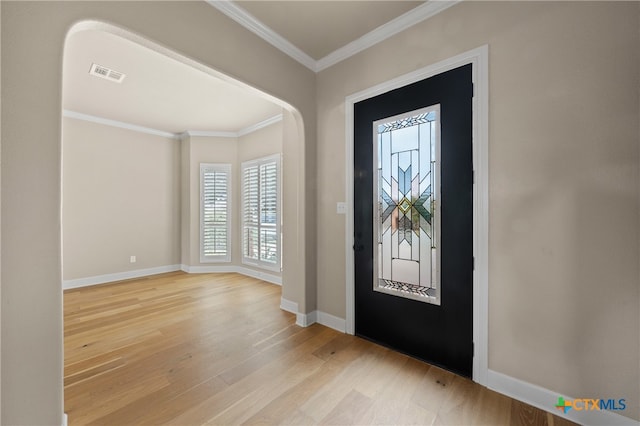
[293, 272]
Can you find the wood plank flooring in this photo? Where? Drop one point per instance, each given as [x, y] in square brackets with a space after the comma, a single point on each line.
[201, 349]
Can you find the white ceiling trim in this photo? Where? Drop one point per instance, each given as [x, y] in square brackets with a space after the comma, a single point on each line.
[385, 31]
[260, 125]
[425, 11]
[251, 23]
[211, 134]
[141, 129]
[119, 124]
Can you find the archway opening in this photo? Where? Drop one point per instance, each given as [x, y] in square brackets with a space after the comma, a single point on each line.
[131, 162]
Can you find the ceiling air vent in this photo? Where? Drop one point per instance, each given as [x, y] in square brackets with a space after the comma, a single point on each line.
[106, 73]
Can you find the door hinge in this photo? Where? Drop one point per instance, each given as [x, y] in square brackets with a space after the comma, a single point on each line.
[473, 349]
[473, 177]
[473, 263]
[473, 90]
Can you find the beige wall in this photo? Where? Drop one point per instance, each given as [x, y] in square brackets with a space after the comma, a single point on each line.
[563, 183]
[261, 143]
[122, 193]
[564, 311]
[120, 198]
[32, 39]
[0, 220]
[294, 248]
[185, 199]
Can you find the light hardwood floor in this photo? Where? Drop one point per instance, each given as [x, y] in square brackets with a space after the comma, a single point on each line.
[216, 349]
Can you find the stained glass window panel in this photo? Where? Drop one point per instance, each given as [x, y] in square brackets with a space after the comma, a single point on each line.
[406, 198]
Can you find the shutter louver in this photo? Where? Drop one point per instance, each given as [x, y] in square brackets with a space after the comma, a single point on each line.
[251, 215]
[261, 212]
[268, 212]
[215, 212]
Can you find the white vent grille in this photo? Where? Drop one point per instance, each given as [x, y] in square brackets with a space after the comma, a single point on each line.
[106, 73]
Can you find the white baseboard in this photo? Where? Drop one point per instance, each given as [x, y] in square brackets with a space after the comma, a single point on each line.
[118, 276]
[264, 276]
[331, 321]
[288, 305]
[546, 400]
[207, 269]
[305, 320]
[213, 269]
[302, 320]
[328, 320]
[138, 273]
[65, 419]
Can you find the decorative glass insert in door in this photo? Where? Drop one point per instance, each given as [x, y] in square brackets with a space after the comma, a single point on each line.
[407, 205]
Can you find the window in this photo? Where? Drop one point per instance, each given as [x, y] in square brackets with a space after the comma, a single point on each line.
[261, 212]
[407, 205]
[215, 212]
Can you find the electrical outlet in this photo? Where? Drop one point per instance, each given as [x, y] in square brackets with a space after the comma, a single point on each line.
[132, 259]
[341, 208]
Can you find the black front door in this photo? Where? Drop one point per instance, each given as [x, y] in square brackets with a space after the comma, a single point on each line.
[413, 219]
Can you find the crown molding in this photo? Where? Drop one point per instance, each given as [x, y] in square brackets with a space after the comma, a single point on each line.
[414, 16]
[211, 134]
[385, 31]
[242, 132]
[119, 124]
[260, 125]
[251, 23]
[204, 133]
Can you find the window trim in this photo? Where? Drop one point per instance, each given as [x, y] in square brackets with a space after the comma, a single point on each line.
[224, 167]
[277, 158]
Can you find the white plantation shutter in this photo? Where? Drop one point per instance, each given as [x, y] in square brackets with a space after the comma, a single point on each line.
[250, 214]
[268, 212]
[215, 217]
[261, 212]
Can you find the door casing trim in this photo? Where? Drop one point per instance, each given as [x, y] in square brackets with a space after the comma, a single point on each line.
[479, 58]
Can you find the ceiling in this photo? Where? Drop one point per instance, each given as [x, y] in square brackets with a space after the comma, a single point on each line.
[157, 92]
[166, 95]
[321, 27]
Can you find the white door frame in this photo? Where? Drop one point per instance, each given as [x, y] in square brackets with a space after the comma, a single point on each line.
[479, 58]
